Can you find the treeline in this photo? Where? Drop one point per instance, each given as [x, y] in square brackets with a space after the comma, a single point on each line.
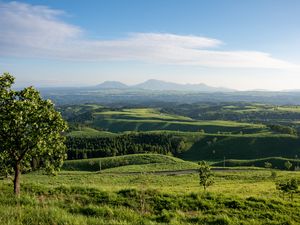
[263, 116]
[91, 147]
[218, 112]
[283, 129]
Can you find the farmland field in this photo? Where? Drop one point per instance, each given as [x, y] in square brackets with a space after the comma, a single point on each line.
[114, 196]
[146, 119]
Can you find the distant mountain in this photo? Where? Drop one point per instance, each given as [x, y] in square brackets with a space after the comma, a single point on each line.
[291, 90]
[111, 85]
[159, 85]
[257, 90]
[170, 86]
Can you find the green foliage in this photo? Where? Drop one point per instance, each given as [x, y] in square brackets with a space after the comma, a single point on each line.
[30, 128]
[130, 143]
[243, 147]
[283, 129]
[205, 175]
[289, 186]
[273, 174]
[288, 165]
[268, 165]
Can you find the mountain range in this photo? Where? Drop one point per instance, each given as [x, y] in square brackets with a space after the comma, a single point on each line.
[159, 85]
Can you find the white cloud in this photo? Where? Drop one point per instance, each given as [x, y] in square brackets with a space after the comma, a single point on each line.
[38, 31]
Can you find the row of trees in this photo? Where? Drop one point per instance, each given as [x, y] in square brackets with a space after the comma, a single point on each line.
[124, 144]
[283, 129]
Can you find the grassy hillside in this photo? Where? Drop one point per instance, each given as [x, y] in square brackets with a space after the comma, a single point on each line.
[214, 147]
[154, 167]
[277, 162]
[230, 139]
[89, 132]
[86, 198]
[150, 119]
[117, 161]
[288, 115]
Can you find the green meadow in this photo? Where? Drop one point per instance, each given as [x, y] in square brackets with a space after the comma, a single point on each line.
[147, 119]
[137, 194]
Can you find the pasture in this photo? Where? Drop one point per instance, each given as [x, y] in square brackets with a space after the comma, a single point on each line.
[116, 196]
[148, 119]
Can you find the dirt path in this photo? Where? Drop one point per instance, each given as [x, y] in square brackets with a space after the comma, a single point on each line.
[178, 172]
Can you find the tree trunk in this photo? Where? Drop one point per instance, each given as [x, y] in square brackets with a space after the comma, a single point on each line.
[17, 179]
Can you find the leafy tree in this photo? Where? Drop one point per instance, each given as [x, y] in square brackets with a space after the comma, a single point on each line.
[30, 130]
[283, 129]
[288, 186]
[205, 175]
[273, 174]
[288, 165]
[268, 165]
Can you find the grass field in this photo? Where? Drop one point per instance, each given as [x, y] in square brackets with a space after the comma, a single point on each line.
[89, 132]
[262, 107]
[147, 119]
[76, 197]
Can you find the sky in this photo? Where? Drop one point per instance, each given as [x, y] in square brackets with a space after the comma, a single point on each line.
[249, 44]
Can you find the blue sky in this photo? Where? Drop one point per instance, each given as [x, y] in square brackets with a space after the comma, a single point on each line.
[237, 44]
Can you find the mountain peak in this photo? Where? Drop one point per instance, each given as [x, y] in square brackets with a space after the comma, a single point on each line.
[153, 84]
[160, 85]
[112, 85]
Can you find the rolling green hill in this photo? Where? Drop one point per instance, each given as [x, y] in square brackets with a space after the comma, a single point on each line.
[277, 162]
[147, 119]
[119, 161]
[89, 132]
[214, 147]
[120, 131]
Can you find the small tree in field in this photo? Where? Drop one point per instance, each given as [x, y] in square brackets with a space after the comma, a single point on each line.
[288, 165]
[288, 187]
[30, 131]
[268, 165]
[205, 175]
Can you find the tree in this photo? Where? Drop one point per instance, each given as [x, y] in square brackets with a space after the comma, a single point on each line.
[288, 165]
[268, 165]
[205, 175]
[288, 186]
[30, 129]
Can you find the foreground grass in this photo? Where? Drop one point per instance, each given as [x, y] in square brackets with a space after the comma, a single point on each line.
[237, 197]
